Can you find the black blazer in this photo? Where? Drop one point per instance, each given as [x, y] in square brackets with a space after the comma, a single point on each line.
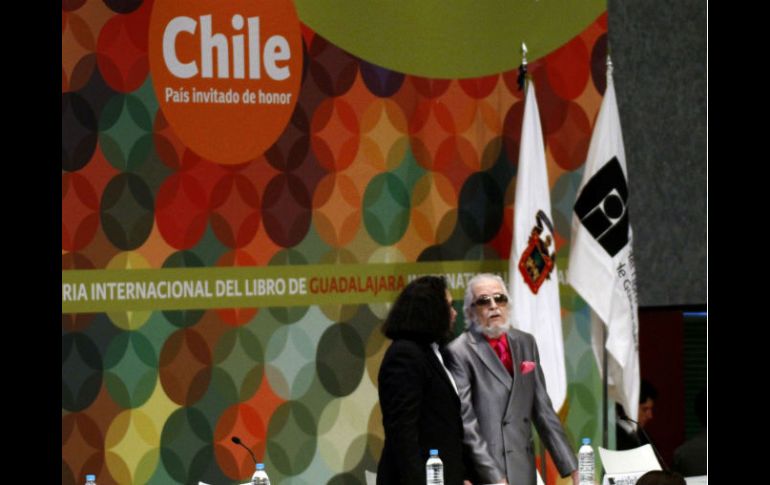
[420, 411]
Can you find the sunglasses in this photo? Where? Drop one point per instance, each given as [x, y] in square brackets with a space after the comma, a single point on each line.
[486, 300]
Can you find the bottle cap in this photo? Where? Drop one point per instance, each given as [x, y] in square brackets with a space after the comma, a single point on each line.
[586, 441]
[260, 466]
[90, 478]
[433, 452]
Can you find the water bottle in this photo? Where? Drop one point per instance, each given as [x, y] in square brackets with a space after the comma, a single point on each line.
[586, 463]
[90, 479]
[260, 476]
[434, 469]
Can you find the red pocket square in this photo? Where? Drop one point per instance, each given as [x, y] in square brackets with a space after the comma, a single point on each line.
[527, 366]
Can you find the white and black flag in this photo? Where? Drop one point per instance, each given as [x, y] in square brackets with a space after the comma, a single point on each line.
[601, 263]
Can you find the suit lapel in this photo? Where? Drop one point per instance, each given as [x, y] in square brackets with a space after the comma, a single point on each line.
[485, 353]
[514, 350]
[439, 369]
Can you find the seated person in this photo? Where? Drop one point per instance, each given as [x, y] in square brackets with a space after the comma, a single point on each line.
[627, 436]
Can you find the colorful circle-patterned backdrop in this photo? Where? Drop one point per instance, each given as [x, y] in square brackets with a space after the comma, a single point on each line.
[375, 166]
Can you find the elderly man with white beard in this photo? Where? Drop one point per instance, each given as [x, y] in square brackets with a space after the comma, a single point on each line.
[502, 390]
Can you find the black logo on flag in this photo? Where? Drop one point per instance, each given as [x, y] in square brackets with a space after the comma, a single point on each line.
[602, 207]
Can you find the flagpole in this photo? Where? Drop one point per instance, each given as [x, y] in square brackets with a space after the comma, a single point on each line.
[605, 407]
[605, 393]
[523, 81]
[605, 397]
[523, 86]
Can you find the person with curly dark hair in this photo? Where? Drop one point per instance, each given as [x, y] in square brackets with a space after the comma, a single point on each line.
[418, 397]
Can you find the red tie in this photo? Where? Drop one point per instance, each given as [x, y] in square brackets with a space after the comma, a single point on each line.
[502, 352]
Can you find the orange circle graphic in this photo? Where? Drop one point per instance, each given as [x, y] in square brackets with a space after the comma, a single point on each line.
[226, 73]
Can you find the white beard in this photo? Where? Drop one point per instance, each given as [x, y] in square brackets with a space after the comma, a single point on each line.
[495, 331]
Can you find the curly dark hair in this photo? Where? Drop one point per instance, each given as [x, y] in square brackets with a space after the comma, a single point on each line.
[660, 477]
[420, 312]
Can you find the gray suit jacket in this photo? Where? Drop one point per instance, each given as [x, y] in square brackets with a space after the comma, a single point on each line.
[498, 410]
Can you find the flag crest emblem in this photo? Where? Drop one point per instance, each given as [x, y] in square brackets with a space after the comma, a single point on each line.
[537, 259]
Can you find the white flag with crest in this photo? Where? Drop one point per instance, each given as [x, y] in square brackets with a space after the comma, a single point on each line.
[532, 267]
